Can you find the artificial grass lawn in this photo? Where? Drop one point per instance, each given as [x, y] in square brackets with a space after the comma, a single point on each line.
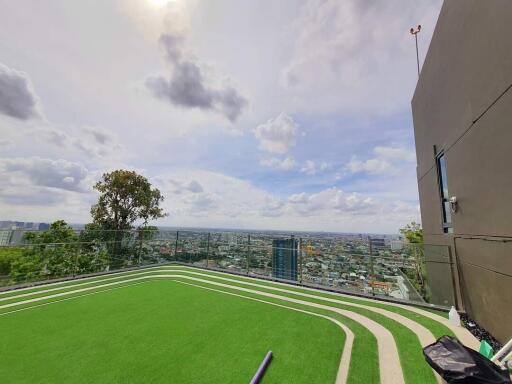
[165, 332]
[364, 364]
[364, 367]
[438, 329]
[415, 369]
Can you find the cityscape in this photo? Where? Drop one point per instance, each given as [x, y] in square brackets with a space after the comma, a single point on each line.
[382, 265]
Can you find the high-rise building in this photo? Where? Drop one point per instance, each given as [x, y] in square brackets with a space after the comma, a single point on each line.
[463, 131]
[378, 242]
[43, 226]
[285, 258]
[5, 237]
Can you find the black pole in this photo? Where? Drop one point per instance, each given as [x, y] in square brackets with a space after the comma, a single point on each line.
[262, 368]
[372, 272]
[417, 54]
[415, 33]
[176, 246]
[248, 252]
[207, 249]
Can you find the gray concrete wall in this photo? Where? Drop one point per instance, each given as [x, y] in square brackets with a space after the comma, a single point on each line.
[463, 106]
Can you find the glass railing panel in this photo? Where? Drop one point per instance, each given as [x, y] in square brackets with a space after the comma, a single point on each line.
[348, 263]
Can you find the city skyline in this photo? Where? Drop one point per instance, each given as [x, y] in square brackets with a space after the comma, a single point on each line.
[291, 116]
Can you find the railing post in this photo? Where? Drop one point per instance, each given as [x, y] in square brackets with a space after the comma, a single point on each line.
[372, 272]
[272, 250]
[75, 263]
[141, 235]
[176, 246]
[207, 250]
[301, 259]
[248, 253]
[189, 254]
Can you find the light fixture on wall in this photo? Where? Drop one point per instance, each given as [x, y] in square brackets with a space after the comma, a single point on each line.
[453, 204]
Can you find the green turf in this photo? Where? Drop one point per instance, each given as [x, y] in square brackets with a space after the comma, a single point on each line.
[165, 332]
[415, 369]
[438, 329]
[364, 362]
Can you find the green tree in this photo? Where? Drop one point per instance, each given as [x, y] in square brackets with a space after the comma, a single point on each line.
[8, 255]
[59, 232]
[56, 252]
[125, 197]
[51, 254]
[413, 233]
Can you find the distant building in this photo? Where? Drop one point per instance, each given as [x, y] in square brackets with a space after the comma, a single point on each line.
[397, 245]
[43, 226]
[378, 242]
[5, 237]
[7, 224]
[285, 258]
[17, 236]
[463, 130]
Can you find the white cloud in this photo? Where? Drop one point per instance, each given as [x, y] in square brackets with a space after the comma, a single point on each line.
[375, 166]
[222, 199]
[59, 174]
[92, 142]
[395, 154]
[345, 55]
[17, 98]
[335, 207]
[277, 135]
[311, 167]
[332, 200]
[339, 59]
[181, 186]
[286, 164]
[5, 144]
[226, 201]
[187, 86]
[386, 160]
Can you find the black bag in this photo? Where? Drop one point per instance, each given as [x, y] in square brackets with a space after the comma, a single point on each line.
[458, 364]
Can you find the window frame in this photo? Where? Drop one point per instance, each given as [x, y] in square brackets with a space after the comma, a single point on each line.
[442, 182]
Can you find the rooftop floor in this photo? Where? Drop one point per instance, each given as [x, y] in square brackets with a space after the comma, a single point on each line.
[192, 325]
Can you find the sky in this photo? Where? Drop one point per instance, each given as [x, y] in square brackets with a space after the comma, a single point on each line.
[256, 114]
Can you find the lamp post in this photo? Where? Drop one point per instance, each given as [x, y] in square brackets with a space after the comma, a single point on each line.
[415, 33]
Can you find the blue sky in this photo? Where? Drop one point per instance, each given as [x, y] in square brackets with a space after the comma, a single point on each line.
[290, 115]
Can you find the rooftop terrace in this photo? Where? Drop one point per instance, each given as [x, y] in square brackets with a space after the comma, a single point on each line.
[159, 308]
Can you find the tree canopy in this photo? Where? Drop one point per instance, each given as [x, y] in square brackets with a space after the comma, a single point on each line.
[413, 232]
[125, 197]
[59, 232]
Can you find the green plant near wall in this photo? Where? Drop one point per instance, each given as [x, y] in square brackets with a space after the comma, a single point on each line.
[413, 233]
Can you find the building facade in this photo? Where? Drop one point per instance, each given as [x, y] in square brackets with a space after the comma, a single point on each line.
[285, 258]
[462, 111]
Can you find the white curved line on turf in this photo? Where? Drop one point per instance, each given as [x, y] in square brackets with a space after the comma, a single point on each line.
[69, 283]
[61, 288]
[389, 362]
[343, 368]
[344, 365]
[462, 333]
[71, 298]
[424, 335]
